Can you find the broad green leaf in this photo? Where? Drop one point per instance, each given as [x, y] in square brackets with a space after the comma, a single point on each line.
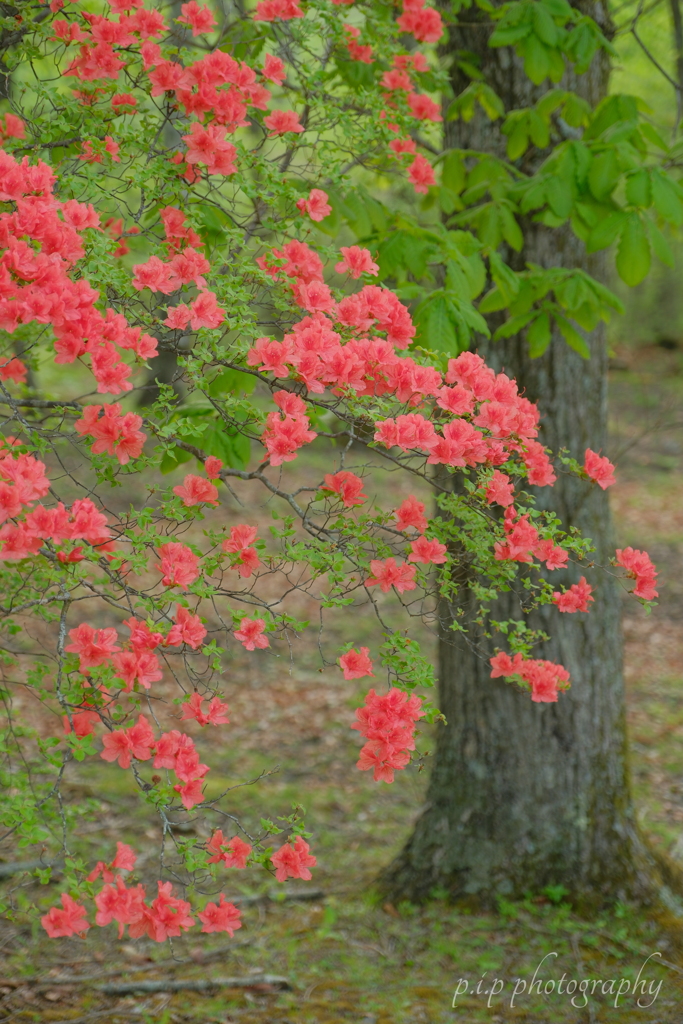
[666, 198]
[603, 174]
[607, 231]
[518, 139]
[233, 448]
[560, 197]
[174, 458]
[538, 335]
[538, 129]
[560, 9]
[503, 275]
[633, 255]
[509, 36]
[231, 382]
[391, 253]
[576, 111]
[544, 26]
[355, 73]
[653, 136]
[638, 190]
[659, 244]
[536, 59]
[357, 216]
[493, 301]
[550, 102]
[513, 326]
[489, 225]
[434, 322]
[557, 65]
[512, 233]
[572, 336]
[453, 174]
[490, 101]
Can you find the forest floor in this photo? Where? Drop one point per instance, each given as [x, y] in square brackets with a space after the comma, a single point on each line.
[337, 954]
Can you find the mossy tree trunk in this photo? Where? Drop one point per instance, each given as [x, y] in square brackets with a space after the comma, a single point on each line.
[522, 795]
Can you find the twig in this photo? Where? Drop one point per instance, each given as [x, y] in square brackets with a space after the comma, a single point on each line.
[188, 985]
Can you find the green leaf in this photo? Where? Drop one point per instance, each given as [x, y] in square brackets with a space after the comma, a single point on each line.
[453, 174]
[435, 326]
[490, 101]
[391, 253]
[503, 275]
[513, 326]
[512, 233]
[560, 196]
[576, 111]
[539, 130]
[489, 225]
[560, 9]
[666, 197]
[544, 26]
[356, 73]
[606, 231]
[509, 36]
[572, 336]
[357, 216]
[493, 301]
[633, 255]
[172, 459]
[653, 136]
[603, 174]
[536, 59]
[638, 190]
[518, 139]
[549, 103]
[231, 382]
[538, 335]
[659, 244]
[233, 448]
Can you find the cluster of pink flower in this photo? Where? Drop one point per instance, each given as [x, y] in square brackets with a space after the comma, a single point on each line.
[356, 664]
[387, 573]
[115, 433]
[424, 23]
[173, 750]
[287, 430]
[347, 486]
[544, 678]
[387, 722]
[316, 206]
[315, 353]
[357, 51]
[22, 482]
[240, 545]
[599, 469]
[523, 543]
[398, 80]
[35, 286]
[196, 490]
[136, 662]
[185, 266]
[166, 916]
[576, 599]
[641, 569]
[234, 852]
[411, 513]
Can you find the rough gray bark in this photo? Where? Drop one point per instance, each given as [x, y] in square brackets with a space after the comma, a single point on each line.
[526, 795]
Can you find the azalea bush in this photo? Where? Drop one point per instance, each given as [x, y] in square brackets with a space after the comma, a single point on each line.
[196, 190]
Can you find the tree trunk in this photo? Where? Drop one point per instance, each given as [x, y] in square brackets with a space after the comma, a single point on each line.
[522, 795]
